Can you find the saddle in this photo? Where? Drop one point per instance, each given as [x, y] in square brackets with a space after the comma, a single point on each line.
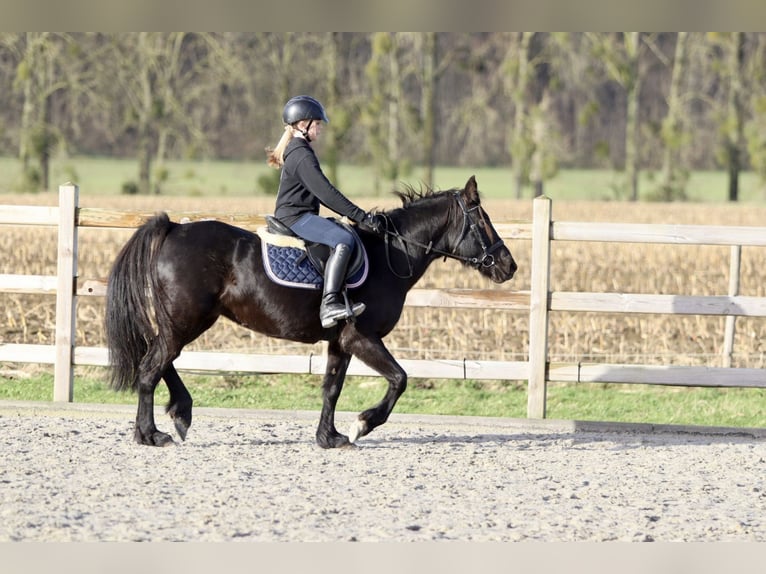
[292, 261]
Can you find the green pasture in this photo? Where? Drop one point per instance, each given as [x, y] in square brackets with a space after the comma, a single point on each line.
[740, 407]
[106, 176]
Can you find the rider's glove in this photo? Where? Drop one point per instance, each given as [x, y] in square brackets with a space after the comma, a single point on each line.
[374, 222]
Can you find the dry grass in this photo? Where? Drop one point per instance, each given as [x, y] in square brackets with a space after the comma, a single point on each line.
[432, 333]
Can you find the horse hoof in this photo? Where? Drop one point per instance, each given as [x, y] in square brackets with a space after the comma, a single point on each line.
[181, 417]
[162, 439]
[181, 427]
[358, 429]
[332, 440]
[156, 438]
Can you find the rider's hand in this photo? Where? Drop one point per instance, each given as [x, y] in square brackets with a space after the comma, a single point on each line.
[374, 222]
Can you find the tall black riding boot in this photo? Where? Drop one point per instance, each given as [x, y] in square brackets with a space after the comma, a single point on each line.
[333, 307]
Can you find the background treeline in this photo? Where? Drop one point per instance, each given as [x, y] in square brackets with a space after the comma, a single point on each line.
[538, 102]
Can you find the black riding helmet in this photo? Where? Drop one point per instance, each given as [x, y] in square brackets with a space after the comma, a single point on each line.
[303, 108]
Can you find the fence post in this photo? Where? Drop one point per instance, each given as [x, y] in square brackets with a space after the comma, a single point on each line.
[63, 377]
[538, 307]
[734, 272]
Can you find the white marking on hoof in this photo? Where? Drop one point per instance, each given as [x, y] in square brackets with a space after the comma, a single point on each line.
[356, 430]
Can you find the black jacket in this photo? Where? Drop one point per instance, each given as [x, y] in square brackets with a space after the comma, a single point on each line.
[303, 186]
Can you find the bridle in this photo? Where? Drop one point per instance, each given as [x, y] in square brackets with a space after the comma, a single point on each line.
[470, 226]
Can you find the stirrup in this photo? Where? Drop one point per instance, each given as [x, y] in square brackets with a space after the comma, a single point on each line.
[341, 312]
[352, 312]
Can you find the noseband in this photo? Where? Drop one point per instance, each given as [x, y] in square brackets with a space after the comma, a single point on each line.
[486, 259]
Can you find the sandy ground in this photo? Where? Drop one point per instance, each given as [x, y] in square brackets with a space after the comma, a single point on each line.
[73, 473]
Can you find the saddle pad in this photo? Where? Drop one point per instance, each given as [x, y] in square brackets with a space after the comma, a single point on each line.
[289, 266]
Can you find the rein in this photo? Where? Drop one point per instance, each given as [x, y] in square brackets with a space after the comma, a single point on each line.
[469, 226]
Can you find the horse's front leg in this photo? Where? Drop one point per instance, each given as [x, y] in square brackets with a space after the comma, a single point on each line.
[335, 374]
[373, 353]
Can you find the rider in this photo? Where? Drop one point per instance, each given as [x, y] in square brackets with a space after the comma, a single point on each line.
[302, 188]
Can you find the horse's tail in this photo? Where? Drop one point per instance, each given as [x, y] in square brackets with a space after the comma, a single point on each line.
[131, 300]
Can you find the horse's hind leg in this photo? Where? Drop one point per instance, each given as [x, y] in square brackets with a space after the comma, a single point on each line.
[337, 363]
[146, 431]
[179, 406]
[150, 371]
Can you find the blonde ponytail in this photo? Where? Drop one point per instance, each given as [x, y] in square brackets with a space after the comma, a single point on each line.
[276, 157]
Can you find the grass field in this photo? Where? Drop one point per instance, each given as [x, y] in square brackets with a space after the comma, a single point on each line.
[105, 176]
[440, 333]
[595, 402]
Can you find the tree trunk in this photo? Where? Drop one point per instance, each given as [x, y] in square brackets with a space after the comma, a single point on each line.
[336, 129]
[374, 105]
[160, 174]
[47, 140]
[673, 180]
[430, 58]
[519, 139]
[393, 109]
[144, 161]
[540, 143]
[632, 120]
[735, 123]
[27, 110]
[144, 152]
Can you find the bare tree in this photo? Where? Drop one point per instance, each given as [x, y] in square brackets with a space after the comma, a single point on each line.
[733, 127]
[340, 119]
[619, 55]
[430, 74]
[433, 98]
[517, 82]
[44, 71]
[519, 75]
[160, 80]
[755, 130]
[381, 112]
[674, 131]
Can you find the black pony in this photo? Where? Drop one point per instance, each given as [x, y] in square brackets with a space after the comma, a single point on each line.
[171, 282]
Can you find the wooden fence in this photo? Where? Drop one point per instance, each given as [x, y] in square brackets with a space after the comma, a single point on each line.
[539, 301]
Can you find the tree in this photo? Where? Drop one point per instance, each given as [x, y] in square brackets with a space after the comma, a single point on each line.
[461, 99]
[430, 75]
[44, 70]
[517, 61]
[733, 140]
[755, 131]
[339, 124]
[545, 144]
[275, 69]
[674, 135]
[532, 65]
[161, 83]
[381, 111]
[619, 55]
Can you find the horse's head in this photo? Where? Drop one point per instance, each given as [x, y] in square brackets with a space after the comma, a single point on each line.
[477, 243]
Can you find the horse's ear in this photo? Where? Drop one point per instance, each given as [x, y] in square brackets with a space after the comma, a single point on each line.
[471, 191]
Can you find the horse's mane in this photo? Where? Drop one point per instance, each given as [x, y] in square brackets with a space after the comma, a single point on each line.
[409, 195]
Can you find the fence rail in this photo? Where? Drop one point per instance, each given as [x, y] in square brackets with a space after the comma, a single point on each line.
[68, 217]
